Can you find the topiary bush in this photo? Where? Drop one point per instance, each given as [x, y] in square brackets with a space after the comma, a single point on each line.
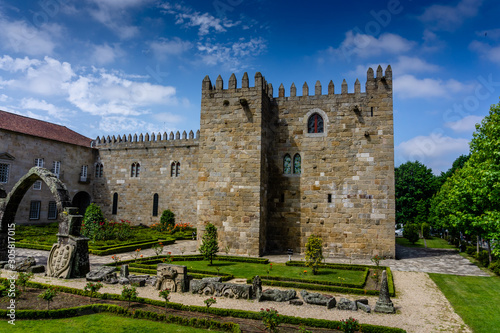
[410, 232]
[167, 221]
[426, 230]
[495, 267]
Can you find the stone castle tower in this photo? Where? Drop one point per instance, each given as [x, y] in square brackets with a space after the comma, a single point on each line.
[274, 170]
[267, 171]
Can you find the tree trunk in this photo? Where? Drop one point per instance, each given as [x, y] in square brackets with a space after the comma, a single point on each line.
[489, 251]
[477, 251]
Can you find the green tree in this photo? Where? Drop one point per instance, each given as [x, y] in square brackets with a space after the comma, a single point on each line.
[410, 232]
[167, 220]
[209, 242]
[457, 164]
[314, 252]
[415, 186]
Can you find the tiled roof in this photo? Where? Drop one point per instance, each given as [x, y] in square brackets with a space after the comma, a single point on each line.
[16, 123]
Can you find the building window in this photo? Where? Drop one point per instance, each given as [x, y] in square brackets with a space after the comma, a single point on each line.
[115, 204]
[98, 170]
[287, 164]
[297, 164]
[135, 169]
[35, 210]
[83, 173]
[155, 204]
[37, 185]
[329, 198]
[56, 168]
[172, 169]
[315, 124]
[4, 173]
[52, 215]
[39, 162]
[177, 169]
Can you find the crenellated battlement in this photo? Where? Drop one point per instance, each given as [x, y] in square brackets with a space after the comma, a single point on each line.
[379, 82]
[177, 139]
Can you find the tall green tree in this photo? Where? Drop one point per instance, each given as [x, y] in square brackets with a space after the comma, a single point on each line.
[314, 252]
[415, 186]
[209, 242]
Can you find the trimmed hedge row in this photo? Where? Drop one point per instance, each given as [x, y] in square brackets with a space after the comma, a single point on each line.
[34, 246]
[137, 314]
[194, 274]
[328, 283]
[321, 323]
[318, 287]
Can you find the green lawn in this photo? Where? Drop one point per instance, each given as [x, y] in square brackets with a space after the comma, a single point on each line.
[249, 270]
[475, 299]
[101, 322]
[433, 243]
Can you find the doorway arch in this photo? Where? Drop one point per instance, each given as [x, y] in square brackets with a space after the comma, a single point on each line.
[81, 200]
[69, 221]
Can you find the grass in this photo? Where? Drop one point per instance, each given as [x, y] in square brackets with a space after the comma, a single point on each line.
[475, 299]
[101, 322]
[249, 270]
[433, 243]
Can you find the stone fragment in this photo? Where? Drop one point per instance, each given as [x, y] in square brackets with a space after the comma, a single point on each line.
[257, 288]
[384, 303]
[36, 269]
[24, 264]
[123, 281]
[232, 290]
[60, 261]
[345, 304]
[124, 271]
[296, 302]
[103, 273]
[362, 300]
[4, 264]
[364, 307]
[172, 277]
[318, 299]
[276, 295]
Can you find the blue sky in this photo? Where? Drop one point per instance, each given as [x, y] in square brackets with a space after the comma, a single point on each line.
[114, 67]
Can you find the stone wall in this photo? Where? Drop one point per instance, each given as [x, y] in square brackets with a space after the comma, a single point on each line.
[351, 164]
[24, 149]
[135, 194]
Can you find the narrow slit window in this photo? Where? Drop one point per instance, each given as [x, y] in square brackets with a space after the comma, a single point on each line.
[115, 204]
[371, 111]
[287, 164]
[177, 169]
[297, 164]
[135, 169]
[172, 169]
[329, 198]
[52, 215]
[155, 204]
[282, 197]
[98, 170]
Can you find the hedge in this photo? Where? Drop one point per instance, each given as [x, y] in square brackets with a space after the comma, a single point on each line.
[115, 309]
[320, 323]
[328, 283]
[195, 275]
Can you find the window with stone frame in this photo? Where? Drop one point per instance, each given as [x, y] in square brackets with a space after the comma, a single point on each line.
[155, 204]
[172, 169]
[37, 185]
[135, 169]
[52, 212]
[35, 210]
[297, 164]
[177, 169]
[287, 164]
[39, 162]
[83, 173]
[4, 172]
[315, 124]
[56, 168]
[98, 170]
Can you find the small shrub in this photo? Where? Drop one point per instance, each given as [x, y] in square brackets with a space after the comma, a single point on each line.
[426, 230]
[165, 294]
[129, 294]
[48, 295]
[410, 232]
[23, 278]
[350, 325]
[158, 248]
[92, 288]
[376, 259]
[314, 252]
[209, 242]
[167, 220]
[271, 319]
[209, 301]
[483, 258]
[495, 267]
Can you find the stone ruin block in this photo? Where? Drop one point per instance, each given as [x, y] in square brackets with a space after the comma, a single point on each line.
[173, 277]
[208, 286]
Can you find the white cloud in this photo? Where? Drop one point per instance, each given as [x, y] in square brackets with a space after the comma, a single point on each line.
[129, 125]
[3, 98]
[23, 37]
[45, 77]
[491, 53]
[51, 109]
[163, 47]
[449, 18]
[436, 151]
[105, 54]
[464, 125]
[403, 65]
[114, 15]
[408, 86]
[167, 117]
[205, 22]
[364, 46]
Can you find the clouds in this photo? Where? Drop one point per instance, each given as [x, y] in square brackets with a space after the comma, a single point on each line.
[408, 86]
[164, 47]
[464, 125]
[106, 54]
[491, 53]
[449, 18]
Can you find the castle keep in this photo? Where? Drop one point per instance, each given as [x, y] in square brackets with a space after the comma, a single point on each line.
[267, 171]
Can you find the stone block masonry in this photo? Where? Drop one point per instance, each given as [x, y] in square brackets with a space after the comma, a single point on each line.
[268, 171]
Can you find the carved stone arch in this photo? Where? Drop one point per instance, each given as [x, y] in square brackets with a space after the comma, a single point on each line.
[69, 222]
[325, 123]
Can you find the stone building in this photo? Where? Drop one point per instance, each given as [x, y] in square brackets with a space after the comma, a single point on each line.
[267, 171]
[27, 142]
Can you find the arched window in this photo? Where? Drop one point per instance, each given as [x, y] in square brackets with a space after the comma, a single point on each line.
[177, 169]
[115, 204]
[155, 204]
[135, 169]
[98, 170]
[172, 169]
[297, 164]
[315, 124]
[287, 164]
